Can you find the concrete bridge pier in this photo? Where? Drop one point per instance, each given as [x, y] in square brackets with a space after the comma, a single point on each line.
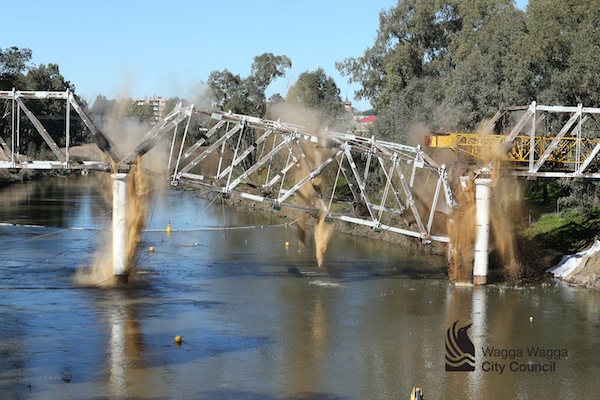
[482, 239]
[119, 226]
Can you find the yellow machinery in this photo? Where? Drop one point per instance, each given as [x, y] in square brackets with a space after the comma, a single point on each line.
[486, 147]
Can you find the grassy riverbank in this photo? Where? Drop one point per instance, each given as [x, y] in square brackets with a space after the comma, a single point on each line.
[553, 235]
[7, 177]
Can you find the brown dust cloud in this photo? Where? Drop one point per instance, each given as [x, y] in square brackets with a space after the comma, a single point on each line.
[311, 194]
[503, 209]
[144, 174]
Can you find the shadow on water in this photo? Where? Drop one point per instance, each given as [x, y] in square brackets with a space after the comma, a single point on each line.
[342, 271]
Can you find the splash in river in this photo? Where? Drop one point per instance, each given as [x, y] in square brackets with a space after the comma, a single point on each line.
[101, 272]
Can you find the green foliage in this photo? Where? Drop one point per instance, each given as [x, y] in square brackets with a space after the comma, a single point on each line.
[545, 191]
[562, 47]
[566, 233]
[417, 104]
[441, 65]
[13, 63]
[268, 67]
[318, 92]
[247, 95]
[412, 42]
[16, 72]
[584, 196]
[141, 112]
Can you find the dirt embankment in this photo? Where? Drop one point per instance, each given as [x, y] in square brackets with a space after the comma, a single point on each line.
[588, 273]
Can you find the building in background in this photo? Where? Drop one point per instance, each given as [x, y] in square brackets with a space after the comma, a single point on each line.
[158, 107]
[348, 106]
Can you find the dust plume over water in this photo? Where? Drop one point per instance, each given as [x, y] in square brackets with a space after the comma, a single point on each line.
[100, 273]
[311, 193]
[462, 227]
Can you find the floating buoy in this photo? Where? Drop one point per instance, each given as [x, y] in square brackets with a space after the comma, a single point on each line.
[169, 228]
[178, 339]
[287, 244]
[530, 319]
[151, 249]
[416, 394]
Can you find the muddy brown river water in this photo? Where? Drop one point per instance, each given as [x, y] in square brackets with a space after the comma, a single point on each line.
[260, 320]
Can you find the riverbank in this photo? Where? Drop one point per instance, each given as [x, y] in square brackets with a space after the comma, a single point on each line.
[7, 177]
[581, 268]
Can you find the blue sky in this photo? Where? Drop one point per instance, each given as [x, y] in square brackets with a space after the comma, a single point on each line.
[148, 48]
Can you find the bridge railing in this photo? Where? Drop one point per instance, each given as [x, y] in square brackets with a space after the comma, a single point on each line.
[566, 149]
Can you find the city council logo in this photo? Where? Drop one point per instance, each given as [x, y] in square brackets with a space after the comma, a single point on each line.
[460, 351]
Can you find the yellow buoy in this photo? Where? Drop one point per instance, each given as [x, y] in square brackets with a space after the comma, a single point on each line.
[151, 249]
[287, 244]
[178, 339]
[169, 228]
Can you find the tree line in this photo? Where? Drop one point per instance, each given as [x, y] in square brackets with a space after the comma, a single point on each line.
[449, 64]
[443, 64]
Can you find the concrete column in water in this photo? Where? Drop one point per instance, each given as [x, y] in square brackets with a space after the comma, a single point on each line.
[482, 238]
[119, 226]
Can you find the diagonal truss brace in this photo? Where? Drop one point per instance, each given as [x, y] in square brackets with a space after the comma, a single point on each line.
[311, 175]
[42, 131]
[566, 128]
[158, 131]
[210, 149]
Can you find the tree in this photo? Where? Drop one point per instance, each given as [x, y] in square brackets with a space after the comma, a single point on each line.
[561, 48]
[52, 113]
[268, 67]
[318, 92]
[227, 90]
[443, 64]
[13, 63]
[247, 95]
[141, 112]
[412, 42]
[100, 110]
[487, 71]
[410, 111]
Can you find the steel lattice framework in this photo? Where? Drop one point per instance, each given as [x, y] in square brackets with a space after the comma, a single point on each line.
[288, 166]
[569, 150]
[360, 180]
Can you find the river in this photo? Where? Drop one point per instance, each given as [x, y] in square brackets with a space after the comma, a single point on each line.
[259, 319]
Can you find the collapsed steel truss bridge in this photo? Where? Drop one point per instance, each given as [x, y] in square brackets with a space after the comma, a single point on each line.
[360, 180]
[332, 175]
[326, 173]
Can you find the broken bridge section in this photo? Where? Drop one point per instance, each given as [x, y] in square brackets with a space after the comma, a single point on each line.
[360, 180]
[332, 175]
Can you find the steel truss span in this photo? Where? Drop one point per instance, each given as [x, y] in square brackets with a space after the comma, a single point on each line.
[538, 141]
[360, 180]
[382, 185]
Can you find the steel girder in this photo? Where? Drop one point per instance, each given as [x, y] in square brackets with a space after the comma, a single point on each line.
[383, 185]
